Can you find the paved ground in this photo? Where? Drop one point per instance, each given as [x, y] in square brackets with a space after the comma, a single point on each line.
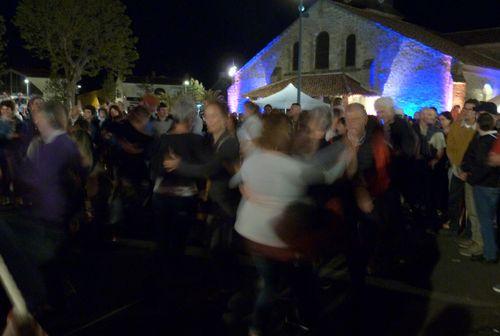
[116, 290]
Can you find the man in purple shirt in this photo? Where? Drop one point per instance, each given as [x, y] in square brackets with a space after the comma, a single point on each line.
[54, 175]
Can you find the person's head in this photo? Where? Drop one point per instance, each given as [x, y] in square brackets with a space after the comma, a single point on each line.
[295, 111]
[102, 114]
[417, 115]
[139, 116]
[53, 116]
[385, 109]
[445, 119]
[75, 112]
[340, 128]
[7, 108]
[162, 111]
[469, 110]
[487, 107]
[276, 133]
[88, 112]
[82, 125]
[356, 119]
[184, 111]
[250, 109]
[115, 112]
[486, 122]
[337, 101]
[216, 117]
[150, 102]
[268, 109]
[318, 121]
[35, 103]
[428, 116]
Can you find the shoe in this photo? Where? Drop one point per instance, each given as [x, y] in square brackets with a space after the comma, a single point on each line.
[465, 243]
[473, 250]
[496, 288]
[483, 260]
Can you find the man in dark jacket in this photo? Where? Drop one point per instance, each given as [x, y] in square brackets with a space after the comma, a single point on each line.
[402, 141]
[485, 181]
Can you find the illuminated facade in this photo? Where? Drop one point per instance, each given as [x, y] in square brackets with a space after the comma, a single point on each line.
[379, 50]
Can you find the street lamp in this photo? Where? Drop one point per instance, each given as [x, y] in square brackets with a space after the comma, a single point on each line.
[27, 82]
[232, 71]
[186, 84]
[299, 68]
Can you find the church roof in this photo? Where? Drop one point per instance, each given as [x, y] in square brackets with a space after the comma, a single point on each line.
[422, 35]
[316, 85]
[473, 37]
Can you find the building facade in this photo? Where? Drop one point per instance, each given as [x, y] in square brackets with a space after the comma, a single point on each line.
[378, 50]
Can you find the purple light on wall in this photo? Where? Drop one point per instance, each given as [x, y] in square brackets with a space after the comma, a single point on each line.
[419, 76]
[254, 74]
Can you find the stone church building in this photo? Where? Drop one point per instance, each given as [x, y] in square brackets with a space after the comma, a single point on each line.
[360, 50]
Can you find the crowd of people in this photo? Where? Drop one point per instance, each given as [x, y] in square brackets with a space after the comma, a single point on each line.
[290, 188]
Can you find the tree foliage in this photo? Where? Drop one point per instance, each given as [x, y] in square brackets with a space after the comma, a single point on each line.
[56, 90]
[196, 90]
[109, 87]
[79, 38]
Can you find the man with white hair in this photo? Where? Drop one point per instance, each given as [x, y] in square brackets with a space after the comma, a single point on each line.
[403, 143]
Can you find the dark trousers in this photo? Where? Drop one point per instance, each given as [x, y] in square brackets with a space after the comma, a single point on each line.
[27, 246]
[456, 202]
[486, 200]
[301, 279]
[173, 217]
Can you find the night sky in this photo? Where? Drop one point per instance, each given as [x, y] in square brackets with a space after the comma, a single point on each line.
[201, 38]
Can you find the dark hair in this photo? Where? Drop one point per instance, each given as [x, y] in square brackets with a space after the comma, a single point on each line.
[337, 101]
[276, 133]
[434, 108]
[267, 106]
[447, 115]
[138, 112]
[102, 109]
[162, 105]
[222, 107]
[342, 121]
[33, 100]
[81, 124]
[475, 102]
[336, 112]
[296, 104]
[9, 103]
[487, 107]
[57, 114]
[252, 107]
[91, 108]
[486, 122]
[116, 108]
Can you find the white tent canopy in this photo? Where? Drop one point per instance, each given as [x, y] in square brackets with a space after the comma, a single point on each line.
[496, 100]
[286, 97]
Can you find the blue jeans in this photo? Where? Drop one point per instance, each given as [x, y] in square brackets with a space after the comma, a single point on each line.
[486, 200]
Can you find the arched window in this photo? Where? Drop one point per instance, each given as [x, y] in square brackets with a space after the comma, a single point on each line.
[322, 50]
[350, 51]
[295, 57]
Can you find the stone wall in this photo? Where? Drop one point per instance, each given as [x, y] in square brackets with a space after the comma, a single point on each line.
[386, 62]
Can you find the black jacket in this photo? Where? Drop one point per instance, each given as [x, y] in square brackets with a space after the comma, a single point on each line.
[403, 138]
[475, 162]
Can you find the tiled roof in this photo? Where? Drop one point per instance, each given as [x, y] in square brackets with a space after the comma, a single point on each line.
[472, 37]
[424, 36]
[316, 85]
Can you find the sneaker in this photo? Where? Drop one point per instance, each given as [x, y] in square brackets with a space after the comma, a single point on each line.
[496, 288]
[473, 250]
[465, 243]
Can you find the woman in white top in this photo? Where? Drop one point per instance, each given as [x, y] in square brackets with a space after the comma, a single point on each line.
[270, 181]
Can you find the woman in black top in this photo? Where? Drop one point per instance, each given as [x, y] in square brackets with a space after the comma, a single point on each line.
[174, 195]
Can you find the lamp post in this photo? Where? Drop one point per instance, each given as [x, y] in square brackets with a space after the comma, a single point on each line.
[27, 82]
[299, 68]
[186, 84]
